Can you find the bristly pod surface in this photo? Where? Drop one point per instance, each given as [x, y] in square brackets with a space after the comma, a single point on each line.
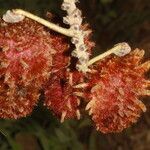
[116, 86]
[25, 65]
[17, 101]
[60, 96]
[27, 51]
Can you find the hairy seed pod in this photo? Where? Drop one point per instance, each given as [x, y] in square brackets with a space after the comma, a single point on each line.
[25, 65]
[60, 96]
[116, 86]
[27, 51]
[18, 101]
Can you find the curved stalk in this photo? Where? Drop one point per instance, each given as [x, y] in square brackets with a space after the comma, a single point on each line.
[120, 49]
[44, 22]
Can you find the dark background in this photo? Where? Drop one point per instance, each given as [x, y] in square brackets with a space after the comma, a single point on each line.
[112, 21]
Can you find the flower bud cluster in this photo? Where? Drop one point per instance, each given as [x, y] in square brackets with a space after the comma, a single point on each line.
[74, 19]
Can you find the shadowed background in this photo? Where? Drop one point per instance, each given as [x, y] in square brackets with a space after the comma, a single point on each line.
[112, 21]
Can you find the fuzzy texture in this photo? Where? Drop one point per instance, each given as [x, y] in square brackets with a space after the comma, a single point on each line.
[27, 51]
[18, 101]
[25, 65]
[61, 58]
[116, 85]
[60, 96]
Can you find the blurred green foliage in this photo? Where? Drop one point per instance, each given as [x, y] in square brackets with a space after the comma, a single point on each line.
[44, 133]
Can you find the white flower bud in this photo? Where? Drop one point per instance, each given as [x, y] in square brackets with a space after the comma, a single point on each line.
[74, 19]
[82, 47]
[68, 6]
[82, 60]
[82, 54]
[74, 54]
[65, 6]
[75, 40]
[66, 20]
[75, 27]
[76, 13]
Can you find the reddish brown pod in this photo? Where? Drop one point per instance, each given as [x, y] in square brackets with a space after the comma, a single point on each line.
[61, 58]
[18, 101]
[116, 86]
[25, 65]
[27, 50]
[61, 96]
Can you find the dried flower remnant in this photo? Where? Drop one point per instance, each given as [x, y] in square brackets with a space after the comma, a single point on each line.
[11, 17]
[116, 87]
[120, 49]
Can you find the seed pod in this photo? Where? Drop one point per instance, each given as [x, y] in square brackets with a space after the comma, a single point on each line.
[29, 52]
[25, 65]
[115, 90]
[60, 95]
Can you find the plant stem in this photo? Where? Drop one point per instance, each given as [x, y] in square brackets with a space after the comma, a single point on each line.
[44, 22]
[115, 49]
